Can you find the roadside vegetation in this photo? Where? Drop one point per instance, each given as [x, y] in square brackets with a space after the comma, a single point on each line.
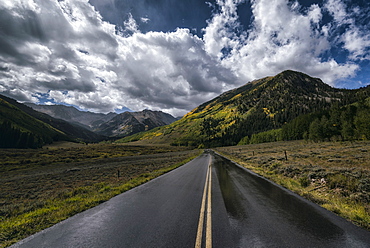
[42, 187]
[335, 175]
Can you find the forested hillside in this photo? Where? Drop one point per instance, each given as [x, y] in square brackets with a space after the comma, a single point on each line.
[20, 130]
[70, 131]
[261, 105]
[350, 122]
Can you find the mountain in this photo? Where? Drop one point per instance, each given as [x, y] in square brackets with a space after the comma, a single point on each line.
[129, 123]
[70, 131]
[258, 106]
[111, 124]
[21, 130]
[70, 114]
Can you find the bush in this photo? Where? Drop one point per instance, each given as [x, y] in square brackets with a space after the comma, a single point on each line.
[304, 181]
[343, 181]
[268, 136]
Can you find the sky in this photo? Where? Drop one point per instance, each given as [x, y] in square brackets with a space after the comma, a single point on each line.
[172, 55]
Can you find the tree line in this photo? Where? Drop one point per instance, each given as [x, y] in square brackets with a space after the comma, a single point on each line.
[12, 137]
[346, 123]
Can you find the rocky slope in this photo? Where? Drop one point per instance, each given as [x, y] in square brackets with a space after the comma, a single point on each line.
[129, 123]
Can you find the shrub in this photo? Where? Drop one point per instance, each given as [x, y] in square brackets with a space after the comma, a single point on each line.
[304, 181]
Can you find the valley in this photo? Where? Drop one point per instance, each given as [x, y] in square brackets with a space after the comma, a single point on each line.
[288, 106]
[110, 125]
[42, 187]
[291, 128]
[224, 123]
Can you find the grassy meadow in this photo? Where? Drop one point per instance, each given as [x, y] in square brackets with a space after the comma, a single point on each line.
[41, 187]
[335, 175]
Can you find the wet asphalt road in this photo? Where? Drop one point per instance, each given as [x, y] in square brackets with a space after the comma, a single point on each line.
[241, 209]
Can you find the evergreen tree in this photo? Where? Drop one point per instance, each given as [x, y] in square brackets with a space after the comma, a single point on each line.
[325, 128]
[348, 130]
[362, 124]
[12, 137]
[210, 127]
[335, 121]
[315, 131]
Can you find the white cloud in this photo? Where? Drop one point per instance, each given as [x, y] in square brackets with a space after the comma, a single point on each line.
[219, 34]
[169, 69]
[315, 14]
[131, 25]
[281, 38]
[77, 58]
[144, 19]
[65, 51]
[357, 43]
[338, 10]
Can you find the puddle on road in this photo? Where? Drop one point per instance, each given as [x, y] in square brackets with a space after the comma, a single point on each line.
[233, 203]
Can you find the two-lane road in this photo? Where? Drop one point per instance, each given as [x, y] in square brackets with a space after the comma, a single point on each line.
[207, 202]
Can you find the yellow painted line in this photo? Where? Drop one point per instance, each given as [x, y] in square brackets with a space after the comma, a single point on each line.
[207, 188]
[198, 242]
[209, 209]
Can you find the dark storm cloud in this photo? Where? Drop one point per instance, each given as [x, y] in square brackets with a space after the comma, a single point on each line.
[69, 53]
[14, 30]
[43, 40]
[170, 70]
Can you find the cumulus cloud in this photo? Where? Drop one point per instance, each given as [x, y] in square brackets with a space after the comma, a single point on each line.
[284, 37]
[170, 69]
[63, 51]
[219, 35]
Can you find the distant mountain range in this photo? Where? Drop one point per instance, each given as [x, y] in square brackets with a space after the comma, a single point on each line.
[259, 106]
[129, 123]
[31, 126]
[85, 119]
[111, 124]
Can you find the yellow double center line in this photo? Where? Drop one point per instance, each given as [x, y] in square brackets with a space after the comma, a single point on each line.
[206, 197]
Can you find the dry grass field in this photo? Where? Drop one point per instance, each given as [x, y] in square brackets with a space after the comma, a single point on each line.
[335, 175]
[42, 187]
